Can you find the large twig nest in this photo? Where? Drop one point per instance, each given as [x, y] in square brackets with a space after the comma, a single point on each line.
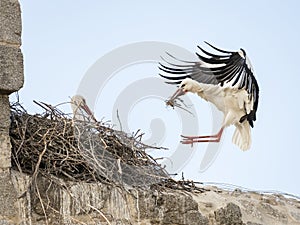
[75, 150]
[51, 143]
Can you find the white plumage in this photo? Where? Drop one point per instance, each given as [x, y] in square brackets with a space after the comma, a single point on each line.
[227, 81]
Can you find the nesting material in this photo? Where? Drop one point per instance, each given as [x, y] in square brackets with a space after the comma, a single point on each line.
[51, 143]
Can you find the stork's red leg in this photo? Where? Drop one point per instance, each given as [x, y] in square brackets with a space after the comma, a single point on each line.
[207, 138]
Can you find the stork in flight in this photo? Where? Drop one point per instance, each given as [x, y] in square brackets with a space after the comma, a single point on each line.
[225, 79]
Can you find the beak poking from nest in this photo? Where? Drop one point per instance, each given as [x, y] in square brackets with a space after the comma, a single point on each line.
[86, 109]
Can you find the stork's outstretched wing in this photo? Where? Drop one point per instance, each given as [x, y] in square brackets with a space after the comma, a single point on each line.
[227, 68]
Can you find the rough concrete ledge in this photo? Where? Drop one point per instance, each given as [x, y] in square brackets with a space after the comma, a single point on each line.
[97, 203]
[10, 22]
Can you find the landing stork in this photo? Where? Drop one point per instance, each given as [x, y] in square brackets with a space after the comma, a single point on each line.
[226, 80]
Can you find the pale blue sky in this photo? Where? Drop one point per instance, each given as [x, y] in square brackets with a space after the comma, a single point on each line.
[63, 39]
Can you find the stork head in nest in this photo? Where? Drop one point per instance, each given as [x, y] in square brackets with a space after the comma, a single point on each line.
[78, 104]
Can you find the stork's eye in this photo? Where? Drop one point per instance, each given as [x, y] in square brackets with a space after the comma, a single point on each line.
[182, 85]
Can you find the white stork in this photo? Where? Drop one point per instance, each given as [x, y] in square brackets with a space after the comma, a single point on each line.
[80, 109]
[227, 81]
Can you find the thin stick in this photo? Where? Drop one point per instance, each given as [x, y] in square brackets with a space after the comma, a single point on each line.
[99, 213]
[119, 120]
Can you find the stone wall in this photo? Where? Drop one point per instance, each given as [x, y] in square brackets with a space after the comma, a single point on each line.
[11, 80]
[11, 70]
[98, 203]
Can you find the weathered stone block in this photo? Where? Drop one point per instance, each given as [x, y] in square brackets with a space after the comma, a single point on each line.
[5, 145]
[10, 22]
[250, 223]
[5, 152]
[11, 69]
[229, 215]
[8, 196]
[5, 114]
[194, 217]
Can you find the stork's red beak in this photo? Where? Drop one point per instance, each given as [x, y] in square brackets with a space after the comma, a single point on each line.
[88, 111]
[177, 94]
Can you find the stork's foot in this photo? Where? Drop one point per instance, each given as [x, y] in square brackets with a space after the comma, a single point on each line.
[196, 139]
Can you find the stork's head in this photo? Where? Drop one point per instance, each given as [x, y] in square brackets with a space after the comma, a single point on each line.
[187, 85]
[78, 103]
[78, 100]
